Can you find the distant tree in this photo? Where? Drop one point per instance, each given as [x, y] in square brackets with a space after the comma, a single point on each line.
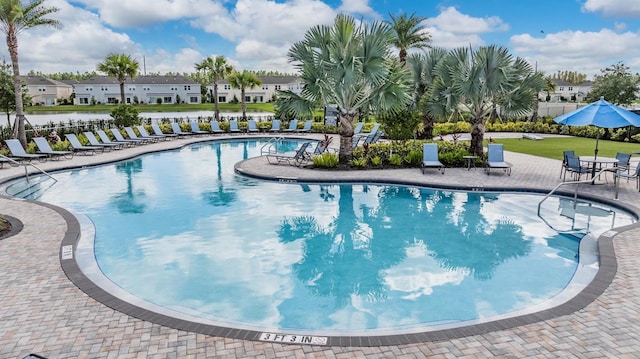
[616, 84]
[408, 33]
[7, 92]
[423, 70]
[571, 77]
[14, 18]
[120, 66]
[243, 80]
[214, 70]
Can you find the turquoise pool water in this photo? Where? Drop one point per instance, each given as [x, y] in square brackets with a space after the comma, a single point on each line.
[181, 231]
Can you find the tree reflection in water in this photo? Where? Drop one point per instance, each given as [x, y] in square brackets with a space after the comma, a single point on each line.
[221, 197]
[349, 256]
[130, 201]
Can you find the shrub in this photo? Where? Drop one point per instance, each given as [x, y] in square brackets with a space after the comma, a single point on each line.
[326, 160]
[359, 162]
[395, 159]
[413, 158]
[125, 115]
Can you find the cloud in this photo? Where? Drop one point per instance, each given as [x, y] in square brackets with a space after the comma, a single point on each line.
[358, 7]
[584, 52]
[451, 29]
[614, 8]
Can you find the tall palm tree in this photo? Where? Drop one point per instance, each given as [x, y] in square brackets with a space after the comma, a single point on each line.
[423, 69]
[14, 18]
[349, 65]
[215, 69]
[244, 80]
[408, 33]
[120, 66]
[478, 80]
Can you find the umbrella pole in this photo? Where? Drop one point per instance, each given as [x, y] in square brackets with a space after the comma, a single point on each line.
[597, 140]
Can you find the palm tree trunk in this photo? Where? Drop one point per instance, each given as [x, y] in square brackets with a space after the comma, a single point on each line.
[427, 126]
[215, 101]
[477, 136]
[346, 138]
[244, 104]
[122, 93]
[534, 115]
[12, 44]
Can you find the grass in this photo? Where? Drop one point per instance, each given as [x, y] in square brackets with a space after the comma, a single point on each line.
[225, 107]
[552, 147]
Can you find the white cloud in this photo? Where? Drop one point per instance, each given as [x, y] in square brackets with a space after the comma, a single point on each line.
[451, 29]
[613, 8]
[584, 52]
[358, 7]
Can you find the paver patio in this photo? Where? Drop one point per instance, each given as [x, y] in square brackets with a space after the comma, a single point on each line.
[44, 313]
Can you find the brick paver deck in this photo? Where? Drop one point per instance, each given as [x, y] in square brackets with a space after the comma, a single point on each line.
[43, 312]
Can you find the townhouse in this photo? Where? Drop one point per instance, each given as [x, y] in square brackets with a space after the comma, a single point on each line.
[259, 94]
[47, 92]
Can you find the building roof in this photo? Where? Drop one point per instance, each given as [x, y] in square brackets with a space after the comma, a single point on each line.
[141, 80]
[270, 80]
[42, 81]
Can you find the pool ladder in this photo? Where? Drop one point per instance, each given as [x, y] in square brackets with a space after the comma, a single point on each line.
[28, 191]
[271, 147]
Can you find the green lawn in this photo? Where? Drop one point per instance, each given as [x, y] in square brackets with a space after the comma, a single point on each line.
[552, 147]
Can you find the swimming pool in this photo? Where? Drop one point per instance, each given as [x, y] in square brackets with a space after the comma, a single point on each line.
[319, 258]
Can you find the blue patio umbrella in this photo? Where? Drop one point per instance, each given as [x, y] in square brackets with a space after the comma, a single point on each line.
[600, 114]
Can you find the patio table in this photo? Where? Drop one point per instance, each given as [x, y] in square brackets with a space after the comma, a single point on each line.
[598, 162]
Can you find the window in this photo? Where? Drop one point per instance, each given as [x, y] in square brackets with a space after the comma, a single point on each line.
[570, 88]
[259, 99]
[265, 87]
[132, 88]
[112, 100]
[561, 88]
[187, 87]
[167, 99]
[88, 88]
[42, 89]
[193, 99]
[247, 99]
[227, 87]
[146, 89]
[222, 99]
[278, 87]
[83, 100]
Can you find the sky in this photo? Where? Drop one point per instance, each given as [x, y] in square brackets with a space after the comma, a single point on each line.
[164, 36]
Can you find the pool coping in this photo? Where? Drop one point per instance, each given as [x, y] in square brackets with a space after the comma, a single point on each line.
[602, 280]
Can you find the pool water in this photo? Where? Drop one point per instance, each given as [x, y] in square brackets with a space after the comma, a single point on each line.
[181, 231]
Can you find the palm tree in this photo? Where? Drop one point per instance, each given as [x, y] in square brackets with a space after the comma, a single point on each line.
[243, 80]
[15, 17]
[408, 33]
[120, 66]
[349, 65]
[423, 68]
[215, 70]
[478, 80]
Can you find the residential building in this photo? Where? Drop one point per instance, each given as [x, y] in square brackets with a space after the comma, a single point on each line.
[567, 92]
[142, 89]
[46, 92]
[259, 94]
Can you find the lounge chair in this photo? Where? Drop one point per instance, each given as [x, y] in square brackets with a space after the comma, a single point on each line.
[18, 152]
[430, 157]
[233, 126]
[215, 127]
[144, 134]
[158, 131]
[292, 159]
[364, 135]
[195, 128]
[132, 135]
[178, 131]
[105, 139]
[118, 136]
[358, 128]
[275, 126]
[45, 149]
[77, 146]
[252, 127]
[495, 158]
[93, 141]
[306, 128]
[293, 126]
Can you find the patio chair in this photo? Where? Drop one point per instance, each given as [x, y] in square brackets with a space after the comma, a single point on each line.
[563, 169]
[292, 159]
[430, 157]
[77, 146]
[233, 126]
[495, 158]
[45, 149]
[17, 151]
[195, 128]
[105, 139]
[364, 135]
[306, 128]
[118, 136]
[144, 134]
[293, 126]
[178, 131]
[215, 127]
[252, 127]
[132, 135]
[635, 174]
[575, 167]
[158, 131]
[93, 141]
[358, 128]
[275, 126]
[623, 161]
